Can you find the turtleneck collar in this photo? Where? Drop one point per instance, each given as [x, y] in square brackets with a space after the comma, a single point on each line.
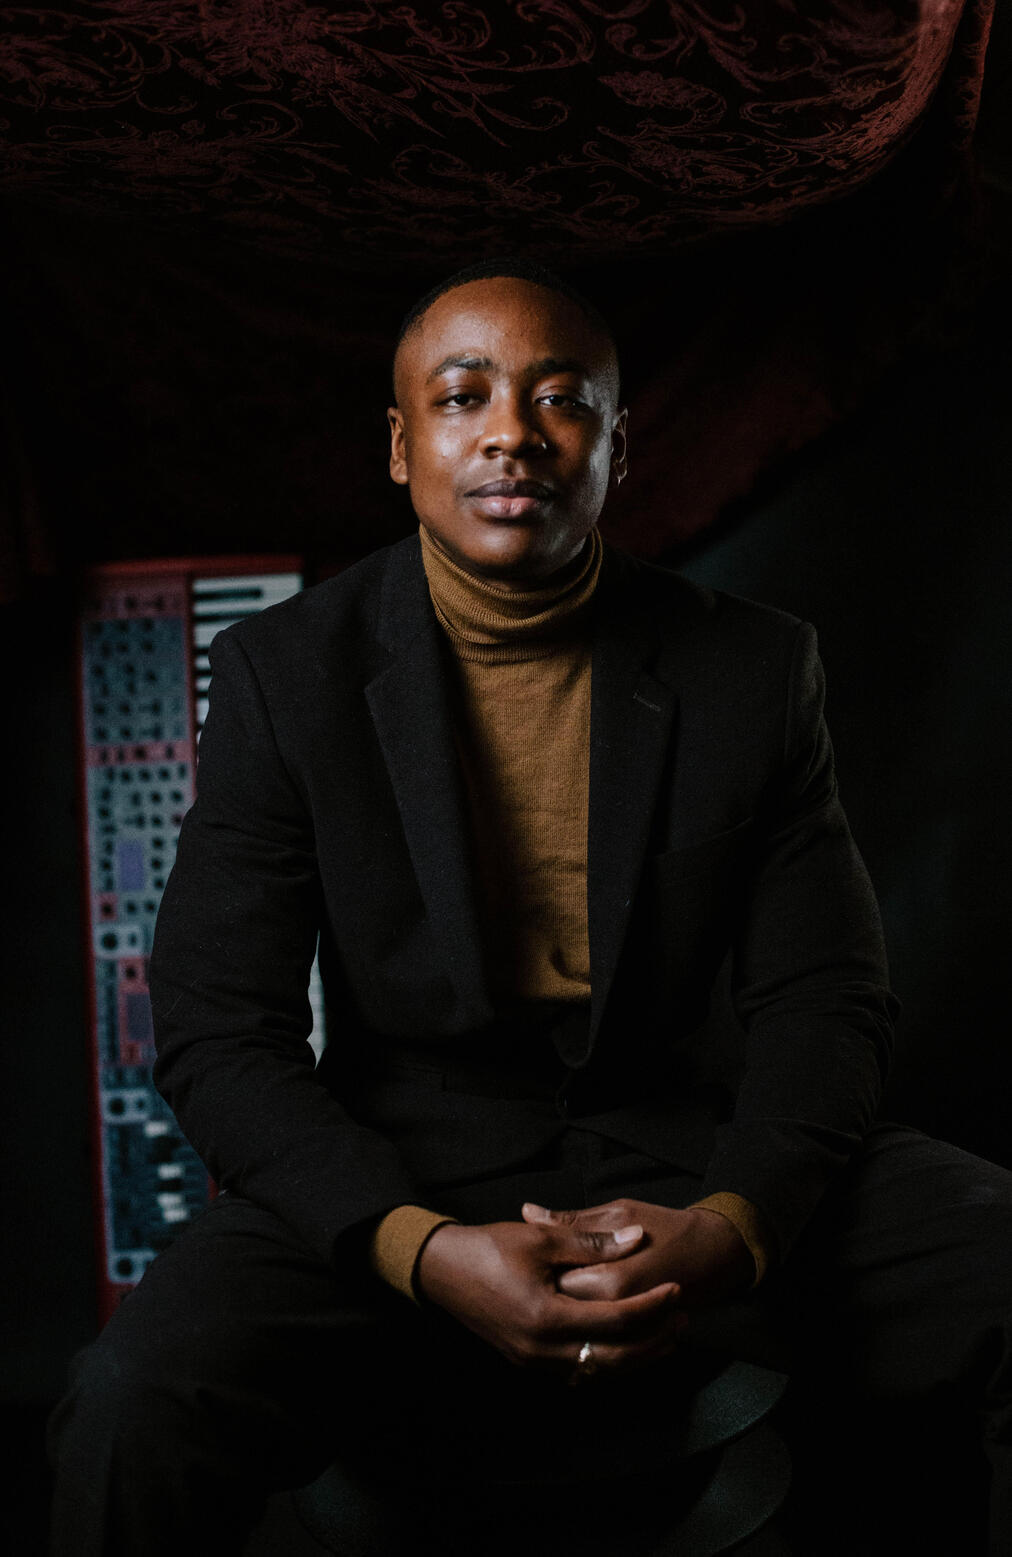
[490, 621]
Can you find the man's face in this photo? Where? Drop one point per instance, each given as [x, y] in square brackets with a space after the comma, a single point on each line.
[506, 428]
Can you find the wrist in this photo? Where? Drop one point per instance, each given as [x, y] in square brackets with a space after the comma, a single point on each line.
[733, 1252]
[438, 1262]
[749, 1222]
[396, 1243]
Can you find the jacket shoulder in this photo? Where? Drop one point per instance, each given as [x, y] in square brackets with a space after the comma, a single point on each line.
[339, 614]
[671, 604]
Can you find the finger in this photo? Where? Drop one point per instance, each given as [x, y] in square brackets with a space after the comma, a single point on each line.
[606, 1282]
[618, 1319]
[640, 1327]
[623, 1357]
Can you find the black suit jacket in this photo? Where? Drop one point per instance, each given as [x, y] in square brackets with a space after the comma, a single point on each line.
[330, 803]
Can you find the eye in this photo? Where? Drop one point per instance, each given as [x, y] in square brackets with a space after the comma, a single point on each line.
[558, 398]
[459, 399]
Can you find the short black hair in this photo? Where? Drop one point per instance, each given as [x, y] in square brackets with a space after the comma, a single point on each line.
[523, 270]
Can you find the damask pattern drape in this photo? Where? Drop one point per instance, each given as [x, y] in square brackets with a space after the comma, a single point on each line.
[214, 207]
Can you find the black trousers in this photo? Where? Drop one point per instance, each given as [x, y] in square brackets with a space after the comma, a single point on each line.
[242, 1364]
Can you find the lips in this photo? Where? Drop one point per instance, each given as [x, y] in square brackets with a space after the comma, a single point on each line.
[510, 499]
[512, 489]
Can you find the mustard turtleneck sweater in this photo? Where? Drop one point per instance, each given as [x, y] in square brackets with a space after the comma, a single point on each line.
[522, 662]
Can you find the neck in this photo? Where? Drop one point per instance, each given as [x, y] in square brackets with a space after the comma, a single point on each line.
[492, 611]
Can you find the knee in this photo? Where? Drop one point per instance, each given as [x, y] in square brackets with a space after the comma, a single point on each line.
[984, 1242]
[118, 1396]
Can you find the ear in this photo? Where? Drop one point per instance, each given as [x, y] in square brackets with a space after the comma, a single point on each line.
[619, 448]
[398, 457]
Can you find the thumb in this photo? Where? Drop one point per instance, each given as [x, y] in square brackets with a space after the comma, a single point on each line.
[541, 1215]
[576, 1247]
[605, 1243]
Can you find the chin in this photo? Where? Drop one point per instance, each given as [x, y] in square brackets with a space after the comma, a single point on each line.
[510, 567]
[512, 554]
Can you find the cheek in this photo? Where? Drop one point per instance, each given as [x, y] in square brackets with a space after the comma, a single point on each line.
[434, 457]
[596, 467]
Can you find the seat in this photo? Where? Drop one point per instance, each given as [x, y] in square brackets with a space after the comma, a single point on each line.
[606, 1468]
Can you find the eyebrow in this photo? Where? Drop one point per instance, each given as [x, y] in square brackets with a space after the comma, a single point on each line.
[483, 364]
[475, 364]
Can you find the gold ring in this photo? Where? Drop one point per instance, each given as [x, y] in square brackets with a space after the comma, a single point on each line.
[586, 1362]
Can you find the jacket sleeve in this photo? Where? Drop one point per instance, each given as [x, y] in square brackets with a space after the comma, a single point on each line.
[809, 982]
[233, 948]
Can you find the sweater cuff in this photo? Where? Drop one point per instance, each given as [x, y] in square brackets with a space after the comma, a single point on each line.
[397, 1241]
[748, 1220]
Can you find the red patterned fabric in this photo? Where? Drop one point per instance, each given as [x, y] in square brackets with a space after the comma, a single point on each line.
[145, 141]
[402, 131]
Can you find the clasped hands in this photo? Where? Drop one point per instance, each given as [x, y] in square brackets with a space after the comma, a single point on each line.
[624, 1276]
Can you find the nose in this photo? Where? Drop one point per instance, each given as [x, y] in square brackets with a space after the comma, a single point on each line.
[511, 427]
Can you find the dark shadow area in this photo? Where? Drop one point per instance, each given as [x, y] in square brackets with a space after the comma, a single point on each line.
[891, 535]
[191, 394]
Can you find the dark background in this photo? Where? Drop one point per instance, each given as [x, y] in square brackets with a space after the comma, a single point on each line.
[821, 404]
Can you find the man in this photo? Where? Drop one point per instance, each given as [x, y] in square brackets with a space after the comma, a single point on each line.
[529, 794]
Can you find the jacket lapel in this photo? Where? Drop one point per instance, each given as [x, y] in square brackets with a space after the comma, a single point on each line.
[630, 730]
[409, 700]
[632, 712]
